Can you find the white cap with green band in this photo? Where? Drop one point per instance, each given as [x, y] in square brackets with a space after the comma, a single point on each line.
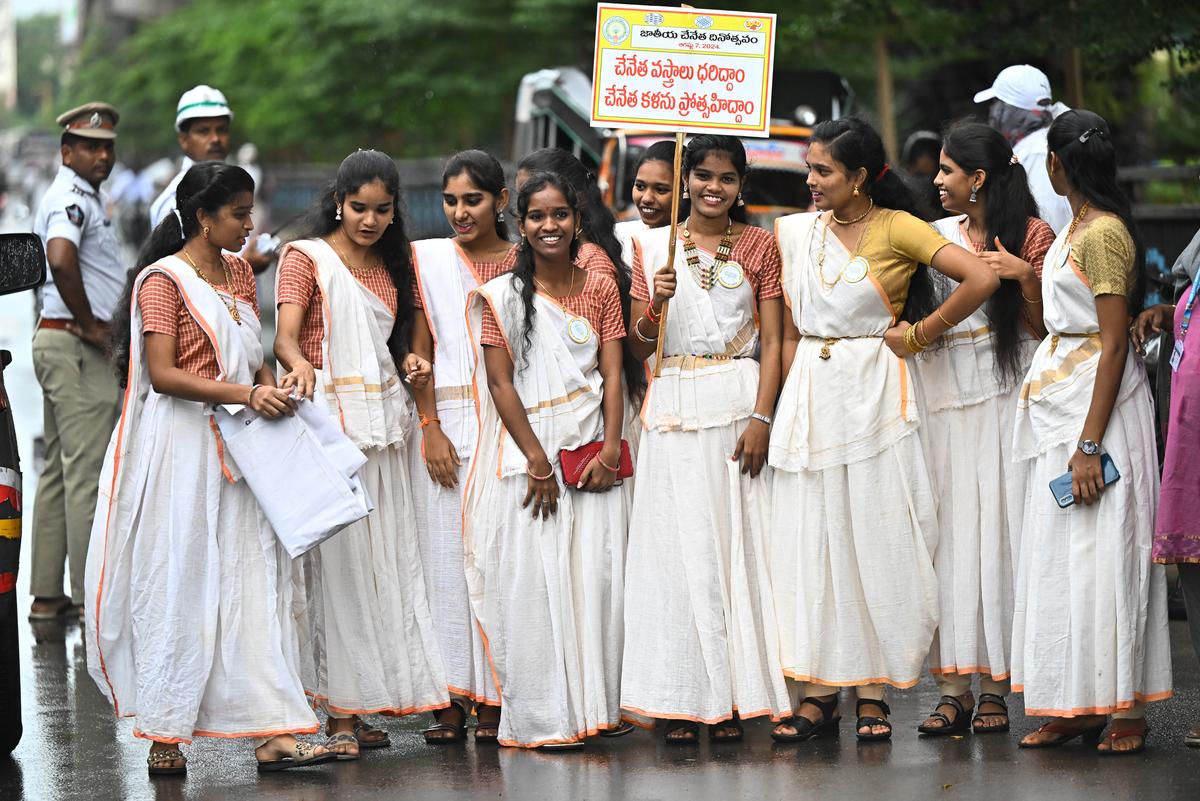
[201, 101]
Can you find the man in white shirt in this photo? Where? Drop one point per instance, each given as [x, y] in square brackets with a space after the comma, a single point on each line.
[81, 398]
[1022, 110]
[202, 121]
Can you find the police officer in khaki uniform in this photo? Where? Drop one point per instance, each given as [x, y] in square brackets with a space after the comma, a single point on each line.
[81, 397]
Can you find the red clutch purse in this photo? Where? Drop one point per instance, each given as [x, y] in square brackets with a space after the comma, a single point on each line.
[574, 461]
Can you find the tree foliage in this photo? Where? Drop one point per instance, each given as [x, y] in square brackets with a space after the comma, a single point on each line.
[313, 79]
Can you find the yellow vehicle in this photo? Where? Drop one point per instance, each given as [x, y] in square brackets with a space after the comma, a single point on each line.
[552, 111]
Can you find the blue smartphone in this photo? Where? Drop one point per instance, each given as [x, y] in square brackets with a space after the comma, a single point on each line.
[1061, 486]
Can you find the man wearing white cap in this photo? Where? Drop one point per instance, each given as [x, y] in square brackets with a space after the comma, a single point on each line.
[1022, 111]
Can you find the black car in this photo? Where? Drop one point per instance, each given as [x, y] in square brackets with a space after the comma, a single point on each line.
[22, 267]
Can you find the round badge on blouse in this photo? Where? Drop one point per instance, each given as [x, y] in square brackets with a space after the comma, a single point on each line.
[578, 330]
[856, 270]
[731, 275]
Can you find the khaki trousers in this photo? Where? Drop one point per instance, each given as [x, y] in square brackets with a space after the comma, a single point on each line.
[80, 402]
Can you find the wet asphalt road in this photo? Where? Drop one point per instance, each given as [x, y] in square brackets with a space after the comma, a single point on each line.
[73, 747]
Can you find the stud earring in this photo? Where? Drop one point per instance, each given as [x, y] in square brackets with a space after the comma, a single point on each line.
[206, 230]
[741, 201]
[974, 196]
[338, 216]
[856, 191]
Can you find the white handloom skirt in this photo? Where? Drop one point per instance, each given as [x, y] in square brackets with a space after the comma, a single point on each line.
[439, 532]
[1090, 630]
[370, 643]
[195, 597]
[549, 597]
[981, 496]
[852, 551]
[700, 632]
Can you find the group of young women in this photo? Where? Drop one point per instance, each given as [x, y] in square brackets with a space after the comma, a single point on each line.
[611, 491]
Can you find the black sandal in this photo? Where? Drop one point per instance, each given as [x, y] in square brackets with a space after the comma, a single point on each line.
[458, 731]
[872, 720]
[989, 698]
[682, 732]
[487, 731]
[726, 731]
[962, 720]
[805, 728]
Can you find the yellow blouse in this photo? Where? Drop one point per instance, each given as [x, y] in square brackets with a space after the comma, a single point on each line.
[894, 243]
[1105, 253]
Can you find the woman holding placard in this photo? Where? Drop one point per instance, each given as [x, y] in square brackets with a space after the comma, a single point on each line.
[854, 526]
[548, 590]
[344, 297]
[700, 637]
[190, 627]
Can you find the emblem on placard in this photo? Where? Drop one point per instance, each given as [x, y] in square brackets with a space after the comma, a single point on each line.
[654, 18]
[731, 275]
[753, 24]
[578, 330]
[616, 30]
[704, 22]
[856, 270]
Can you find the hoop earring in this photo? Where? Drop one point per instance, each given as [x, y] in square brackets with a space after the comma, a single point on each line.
[741, 201]
[974, 198]
[338, 216]
[856, 191]
[206, 229]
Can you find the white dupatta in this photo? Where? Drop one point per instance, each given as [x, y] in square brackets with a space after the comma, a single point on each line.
[359, 379]
[446, 277]
[847, 396]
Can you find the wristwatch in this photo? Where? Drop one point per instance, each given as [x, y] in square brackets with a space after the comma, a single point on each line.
[1089, 447]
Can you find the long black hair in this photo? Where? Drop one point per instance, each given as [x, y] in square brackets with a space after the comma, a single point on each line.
[1008, 206]
[484, 172]
[356, 171]
[598, 223]
[523, 270]
[207, 186]
[1082, 142]
[854, 143]
[664, 151]
[698, 149]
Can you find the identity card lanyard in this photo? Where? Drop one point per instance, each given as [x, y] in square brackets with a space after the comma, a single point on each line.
[1177, 353]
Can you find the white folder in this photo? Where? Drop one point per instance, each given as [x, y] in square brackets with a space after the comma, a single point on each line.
[301, 469]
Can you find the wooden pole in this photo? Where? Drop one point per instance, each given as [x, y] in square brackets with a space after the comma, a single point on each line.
[676, 177]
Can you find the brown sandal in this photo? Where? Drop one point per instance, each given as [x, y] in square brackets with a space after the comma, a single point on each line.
[159, 763]
[1090, 735]
[1115, 734]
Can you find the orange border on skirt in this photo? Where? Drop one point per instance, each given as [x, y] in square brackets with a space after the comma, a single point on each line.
[226, 735]
[708, 721]
[899, 685]
[982, 670]
[1120, 706]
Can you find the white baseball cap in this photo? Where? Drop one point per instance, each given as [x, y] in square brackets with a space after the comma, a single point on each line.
[1020, 85]
[201, 101]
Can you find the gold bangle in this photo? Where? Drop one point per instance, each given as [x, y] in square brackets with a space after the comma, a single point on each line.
[943, 318]
[616, 469]
[910, 340]
[918, 334]
[1030, 300]
[637, 330]
[529, 472]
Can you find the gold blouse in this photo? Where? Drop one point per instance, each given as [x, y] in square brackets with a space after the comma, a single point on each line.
[894, 243]
[1104, 252]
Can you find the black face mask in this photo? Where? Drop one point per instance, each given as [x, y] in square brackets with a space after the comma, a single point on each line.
[1017, 123]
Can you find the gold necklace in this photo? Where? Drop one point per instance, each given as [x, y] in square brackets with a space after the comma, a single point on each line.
[556, 298]
[706, 277]
[821, 256]
[857, 219]
[1083, 210]
[357, 271]
[231, 306]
